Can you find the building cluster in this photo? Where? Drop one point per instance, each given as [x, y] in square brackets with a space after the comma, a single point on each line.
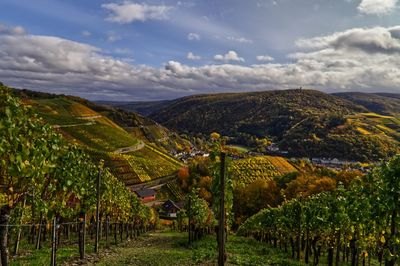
[186, 156]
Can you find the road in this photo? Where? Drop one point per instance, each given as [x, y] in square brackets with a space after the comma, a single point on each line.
[133, 148]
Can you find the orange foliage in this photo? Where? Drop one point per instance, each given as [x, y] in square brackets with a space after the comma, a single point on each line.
[205, 194]
[252, 198]
[183, 173]
[309, 185]
[205, 181]
[346, 176]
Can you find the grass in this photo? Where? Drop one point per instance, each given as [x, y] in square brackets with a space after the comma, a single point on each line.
[170, 248]
[162, 249]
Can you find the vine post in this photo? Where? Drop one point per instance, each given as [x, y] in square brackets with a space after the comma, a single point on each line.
[96, 245]
[190, 220]
[54, 242]
[82, 235]
[221, 226]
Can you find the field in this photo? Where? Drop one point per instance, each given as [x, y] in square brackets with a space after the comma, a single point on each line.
[260, 167]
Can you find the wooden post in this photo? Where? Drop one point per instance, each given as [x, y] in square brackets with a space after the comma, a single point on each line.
[96, 245]
[54, 243]
[4, 219]
[39, 233]
[107, 230]
[82, 235]
[115, 233]
[190, 220]
[33, 229]
[18, 238]
[221, 226]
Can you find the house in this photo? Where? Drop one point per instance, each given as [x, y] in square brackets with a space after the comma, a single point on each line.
[146, 195]
[169, 210]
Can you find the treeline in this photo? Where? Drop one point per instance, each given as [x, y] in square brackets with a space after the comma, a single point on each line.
[354, 224]
[43, 178]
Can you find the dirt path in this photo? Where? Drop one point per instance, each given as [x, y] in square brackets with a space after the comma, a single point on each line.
[74, 125]
[135, 147]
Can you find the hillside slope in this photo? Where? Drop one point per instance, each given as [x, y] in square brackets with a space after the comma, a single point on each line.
[381, 103]
[303, 122]
[143, 108]
[133, 159]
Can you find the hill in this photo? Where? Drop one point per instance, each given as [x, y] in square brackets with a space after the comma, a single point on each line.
[143, 108]
[380, 103]
[305, 123]
[130, 155]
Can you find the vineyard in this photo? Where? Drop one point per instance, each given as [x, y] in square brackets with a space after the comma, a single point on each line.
[136, 167]
[262, 167]
[100, 137]
[51, 187]
[357, 225]
[385, 127]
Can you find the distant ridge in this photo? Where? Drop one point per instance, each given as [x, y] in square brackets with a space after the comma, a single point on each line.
[143, 108]
[381, 103]
[302, 122]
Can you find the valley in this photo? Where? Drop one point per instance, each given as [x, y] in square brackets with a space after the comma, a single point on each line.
[284, 148]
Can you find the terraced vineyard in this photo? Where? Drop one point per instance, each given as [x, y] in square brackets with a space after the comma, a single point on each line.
[384, 127]
[102, 137]
[98, 135]
[261, 167]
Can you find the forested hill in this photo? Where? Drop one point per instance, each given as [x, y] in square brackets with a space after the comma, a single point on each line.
[381, 103]
[303, 122]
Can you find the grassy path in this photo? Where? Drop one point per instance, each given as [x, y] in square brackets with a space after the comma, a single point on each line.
[170, 248]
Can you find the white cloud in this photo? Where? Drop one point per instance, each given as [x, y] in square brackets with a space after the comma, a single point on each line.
[370, 40]
[376, 7]
[192, 56]
[239, 39]
[230, 56]
[86, 33]
[18, 30]
[113, 37]
[264, 58]
[357, 59]
[128, 12]
[193, 36]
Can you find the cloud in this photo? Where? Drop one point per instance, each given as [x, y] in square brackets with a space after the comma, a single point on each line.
[86, 33]
[358, 59]
[191, 56]
[369, 40]
[230, 56]
[128, 12]
[239, 39]
[113, 37]
[193, 36]
[264, 58]
[17, 30]
[376, 7]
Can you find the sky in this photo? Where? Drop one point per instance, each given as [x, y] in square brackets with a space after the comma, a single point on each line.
[128, 50]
